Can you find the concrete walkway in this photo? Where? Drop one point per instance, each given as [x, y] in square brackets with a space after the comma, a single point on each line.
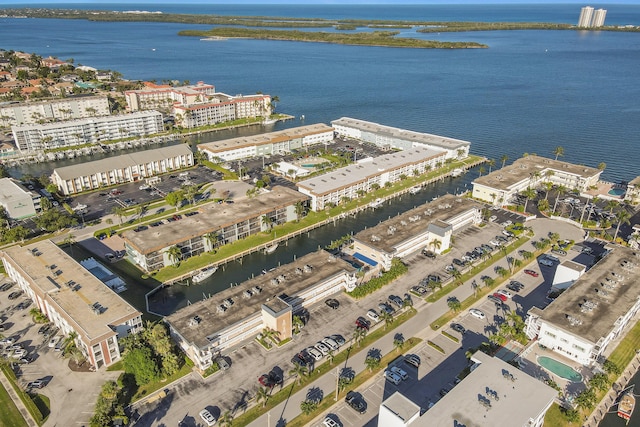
[17, 401]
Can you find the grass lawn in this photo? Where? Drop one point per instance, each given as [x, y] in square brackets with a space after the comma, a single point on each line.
[625, 351]
[9, 415]
[33, 404]
[147, 389]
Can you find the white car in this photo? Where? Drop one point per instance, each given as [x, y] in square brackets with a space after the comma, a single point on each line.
[315, 353]
[328, 422]
[371, 314]
[494, 243]
[144, 187]
[477, 313]
[207, 417]
[504, 292]
[390, 376]
[53, 341]
[507, 223]
[323, 348]
[492, 218]
[399, 372]
[330, 343]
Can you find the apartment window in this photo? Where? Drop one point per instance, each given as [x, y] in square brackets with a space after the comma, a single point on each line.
[550, 334]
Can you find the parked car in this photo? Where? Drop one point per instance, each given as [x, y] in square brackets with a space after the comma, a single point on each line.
[333, 303]
[428, 253]
[504, 293]
[24, 304]
[330, 422]
[412, 359]
[266, 381]
[6, 286]
[373, 315]
[15, 294]
[315, 353]
[391, 377]
[339, 339]
[322, 348]
[330, 343]
[559, 251]
[458, 262]
[362, 323]
[386, 308]
[396, 300]
[223, 363]
[207, 417]
[477, 313]
[399, 372]
[513, 287]
[545, 262]
[458, 328]
[54, 341]
[420, 290]
[495, 298]
[356, 401]
[531, 273]
[36, 384]
[501, 297]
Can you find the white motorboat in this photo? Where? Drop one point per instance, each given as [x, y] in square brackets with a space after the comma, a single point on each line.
[204, 274]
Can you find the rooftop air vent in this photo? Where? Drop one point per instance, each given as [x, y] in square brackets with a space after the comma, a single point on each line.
[195, 321]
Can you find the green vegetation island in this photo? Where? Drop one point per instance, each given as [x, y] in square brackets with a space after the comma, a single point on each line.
[383, 37]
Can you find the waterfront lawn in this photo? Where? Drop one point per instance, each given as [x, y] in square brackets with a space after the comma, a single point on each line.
[626, 350]
[9, 415]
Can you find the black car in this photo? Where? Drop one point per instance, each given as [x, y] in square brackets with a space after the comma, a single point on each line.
[24, 304]
[356, 401]
[419, 290]
[428, 254]
[306, 358]
[383, 306]
[6, 286]
[458, 328]
[44, 328]
[333, 303]
[434, 278]
[338, 338]
[412, 359]
[495, 299]
[458, 262]
[362, 323]
[298, 360]
[14, 295]
[396, 300]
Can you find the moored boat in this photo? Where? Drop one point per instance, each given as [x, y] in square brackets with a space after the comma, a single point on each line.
[376, 203]
[414, 190]
[626, 404]
[271, 249]
[204, 274]
[457, 172]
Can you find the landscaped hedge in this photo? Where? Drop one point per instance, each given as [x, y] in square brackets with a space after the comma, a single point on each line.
[397, 269]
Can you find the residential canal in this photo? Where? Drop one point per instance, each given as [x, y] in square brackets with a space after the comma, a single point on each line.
[613, 420]
[174, 297]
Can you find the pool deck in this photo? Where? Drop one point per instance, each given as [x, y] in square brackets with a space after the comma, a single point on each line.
[602, 191]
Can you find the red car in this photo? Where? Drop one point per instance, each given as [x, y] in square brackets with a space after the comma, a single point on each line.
[531, 273]
[503, 298]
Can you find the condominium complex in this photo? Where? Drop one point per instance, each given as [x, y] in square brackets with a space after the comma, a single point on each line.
[393, 138]
[356, 180]
[416, 229]
[501, 185]
[212, 326]
[77, 107]
[494, 393]
[73, 299]
[158, 96]
[120, 169]
[18, 201]
[214, 225]
[266, 144]
[593, 311]
[221, 108]
[37, 137]
[590, 18]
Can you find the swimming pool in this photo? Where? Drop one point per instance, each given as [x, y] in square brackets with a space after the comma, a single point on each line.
[559, 369]
[617, 191]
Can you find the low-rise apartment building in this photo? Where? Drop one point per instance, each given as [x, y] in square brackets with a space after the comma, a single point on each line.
[18, 201]
[428, 226]
[214, 225]
[501, 185]
[212, 326]
[120, 169]
[394, 138]
[73, 299]
[154, 96]
[593, 311]
[266, 144]
[38, 137]
[77, 107]
[220, 108]
[356, 180]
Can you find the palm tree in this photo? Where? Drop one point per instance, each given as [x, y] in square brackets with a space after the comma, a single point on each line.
[435, 244]
[481, 170]
[602, 166]
[504, 159]
[70, 340]
[528, 194]
[358, 335]
[456, 276]
[297, 323]
[491, 163]
[225, 419]
[38, 316]
[611, 205]
[558, 152]
[454, 304]
[175, 253]
[388, 319]
[330, 356]
[398, 343]
[262, 395]
[308, 406]
[371, 363]
[119, 212]
[561, 190]
[623, 217]
[299, 371]
[548, 185]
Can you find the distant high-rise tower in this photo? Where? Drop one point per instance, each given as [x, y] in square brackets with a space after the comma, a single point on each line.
[586, 14]
[598, 18]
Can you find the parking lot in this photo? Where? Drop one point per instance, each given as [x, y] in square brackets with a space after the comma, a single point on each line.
[65, 388]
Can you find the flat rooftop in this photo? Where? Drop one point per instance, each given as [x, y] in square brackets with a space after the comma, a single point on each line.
[52, 269]
[524, 167]
[591, 306]
[402, 134]
[366, 169]
[401, 406]
[212, 217]
[323, 266]
[77, 122]
[388, 234]
[10, 189]
[121, 162]
[521, 397]
[265, 138]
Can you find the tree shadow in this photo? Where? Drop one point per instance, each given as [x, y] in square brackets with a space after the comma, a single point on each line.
[375, 353]
[315, 394]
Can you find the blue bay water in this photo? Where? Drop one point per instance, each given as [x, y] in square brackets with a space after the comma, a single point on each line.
[530, 91]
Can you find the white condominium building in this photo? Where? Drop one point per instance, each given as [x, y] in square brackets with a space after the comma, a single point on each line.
[394, 138]
[599, 17]
[37, 137]
[586, 15]
[220, 108]
[24, 113]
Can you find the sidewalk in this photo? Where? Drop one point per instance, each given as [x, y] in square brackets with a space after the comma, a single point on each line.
[17, 401]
